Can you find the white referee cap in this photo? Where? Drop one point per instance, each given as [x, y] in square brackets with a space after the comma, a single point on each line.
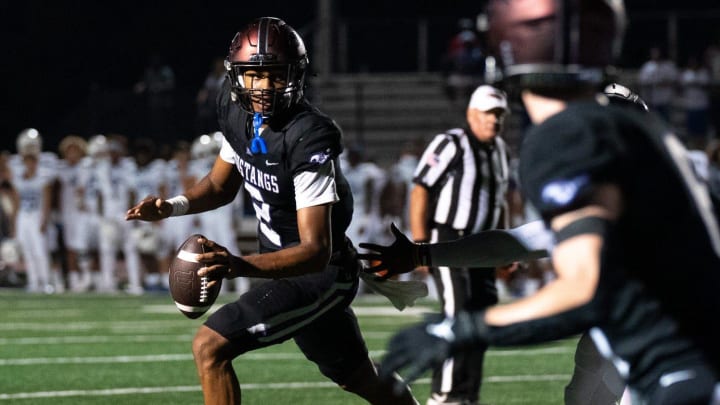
[485, 98]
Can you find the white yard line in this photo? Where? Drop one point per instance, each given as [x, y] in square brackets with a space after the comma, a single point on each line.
[247, 356]
[250, 386]
[85, 339]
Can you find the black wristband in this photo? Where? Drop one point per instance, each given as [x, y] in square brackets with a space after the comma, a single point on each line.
[423, 255]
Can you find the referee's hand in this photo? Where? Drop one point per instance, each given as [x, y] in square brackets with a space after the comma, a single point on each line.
[387, 261]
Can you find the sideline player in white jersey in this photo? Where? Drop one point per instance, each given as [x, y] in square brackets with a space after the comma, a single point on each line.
[216, 224]
[149, 180]
[98, 154]
[366, 181]
[178, 179]
[33, 187]
[74, 221]
[116, 182]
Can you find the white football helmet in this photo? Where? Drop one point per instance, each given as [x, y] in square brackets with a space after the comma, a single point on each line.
[10, 251]
[97, 146]
[29, 142]
[203, 147]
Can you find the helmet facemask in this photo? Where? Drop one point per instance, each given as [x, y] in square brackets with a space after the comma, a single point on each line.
[286, 88]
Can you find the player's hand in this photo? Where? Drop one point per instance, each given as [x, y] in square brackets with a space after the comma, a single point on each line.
[400, 257]
[151, 208]
[426, 346]
[218, 261]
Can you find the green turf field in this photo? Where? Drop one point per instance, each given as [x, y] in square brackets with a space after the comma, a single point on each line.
[91, 349]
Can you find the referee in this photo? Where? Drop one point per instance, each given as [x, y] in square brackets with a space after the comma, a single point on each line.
[460, 187]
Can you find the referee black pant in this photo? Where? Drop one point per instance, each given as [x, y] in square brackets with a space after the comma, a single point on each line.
[470, 289]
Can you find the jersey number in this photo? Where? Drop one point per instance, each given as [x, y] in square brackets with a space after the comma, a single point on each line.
[262, 212]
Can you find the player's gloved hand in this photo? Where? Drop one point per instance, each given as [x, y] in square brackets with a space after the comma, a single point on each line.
[403, 256]
[151, 208]
[427, 345]
[218, 261]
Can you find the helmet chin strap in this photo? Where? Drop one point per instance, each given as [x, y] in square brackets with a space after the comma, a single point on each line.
[257, 144]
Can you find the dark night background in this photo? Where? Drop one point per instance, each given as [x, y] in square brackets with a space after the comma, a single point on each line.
[60, 60]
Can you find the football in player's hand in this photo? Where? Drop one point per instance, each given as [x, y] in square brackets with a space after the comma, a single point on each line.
[190, 292]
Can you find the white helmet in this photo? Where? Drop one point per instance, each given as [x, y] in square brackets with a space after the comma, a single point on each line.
[203, 147]
[218, 139]
[10, 251]
[29, 142]
[97, 146]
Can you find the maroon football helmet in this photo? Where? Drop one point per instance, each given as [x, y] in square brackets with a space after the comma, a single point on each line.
[267, 44]
[555, 43]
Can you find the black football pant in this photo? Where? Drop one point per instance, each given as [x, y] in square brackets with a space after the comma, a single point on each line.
[595, 380]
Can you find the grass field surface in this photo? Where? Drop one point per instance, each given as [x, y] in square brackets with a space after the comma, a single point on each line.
[93, 349]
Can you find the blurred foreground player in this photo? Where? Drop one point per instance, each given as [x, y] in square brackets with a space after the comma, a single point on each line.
[285, 153]
[637, 252]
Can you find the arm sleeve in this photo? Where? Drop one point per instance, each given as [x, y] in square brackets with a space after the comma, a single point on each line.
[316, 187]
[226, 152]
[312, 161]
[542, 330]
[494, 247]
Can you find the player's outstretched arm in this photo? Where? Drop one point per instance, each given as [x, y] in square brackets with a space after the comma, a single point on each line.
[216, 189]
[151, 208]
[485, 249]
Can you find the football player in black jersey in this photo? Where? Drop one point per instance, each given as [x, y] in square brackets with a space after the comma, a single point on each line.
[637, 251]
[284, 152]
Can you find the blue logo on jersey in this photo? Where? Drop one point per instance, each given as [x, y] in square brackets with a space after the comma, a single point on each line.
[562, 192]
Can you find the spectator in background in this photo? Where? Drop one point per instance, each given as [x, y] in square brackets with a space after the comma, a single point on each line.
[464, 63]
[695, 82]
[206, 119]
[658, 77]
[158, 85]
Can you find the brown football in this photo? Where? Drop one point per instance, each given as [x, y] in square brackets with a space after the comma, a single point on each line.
[190, 292]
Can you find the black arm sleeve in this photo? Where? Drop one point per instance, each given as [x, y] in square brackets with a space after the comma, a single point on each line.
[541, 330]
[485, 249]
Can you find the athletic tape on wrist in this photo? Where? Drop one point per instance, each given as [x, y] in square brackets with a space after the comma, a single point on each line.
[180, 205]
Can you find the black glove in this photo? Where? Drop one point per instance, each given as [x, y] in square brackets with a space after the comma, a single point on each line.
[427, 345]
[402, 256]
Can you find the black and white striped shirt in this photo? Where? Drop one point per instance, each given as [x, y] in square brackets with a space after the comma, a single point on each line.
[467, 180]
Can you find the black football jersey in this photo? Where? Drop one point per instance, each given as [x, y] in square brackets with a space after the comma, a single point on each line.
[657, 300]
[300, 169]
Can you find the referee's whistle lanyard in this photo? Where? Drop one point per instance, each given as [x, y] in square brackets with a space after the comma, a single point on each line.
[257, 144]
